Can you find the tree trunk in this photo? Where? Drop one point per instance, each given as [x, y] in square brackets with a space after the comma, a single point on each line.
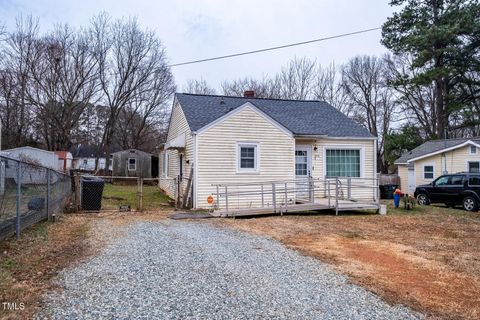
[440, 108]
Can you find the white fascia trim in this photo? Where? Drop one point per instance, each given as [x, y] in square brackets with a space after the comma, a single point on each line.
[303, 136]
[175, 103]
[239, 109]
[345, 147]
[466, 143]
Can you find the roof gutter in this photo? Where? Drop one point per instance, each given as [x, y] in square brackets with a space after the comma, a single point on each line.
[326, 137]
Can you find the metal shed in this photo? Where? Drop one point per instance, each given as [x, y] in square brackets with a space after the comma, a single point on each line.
[134, 163]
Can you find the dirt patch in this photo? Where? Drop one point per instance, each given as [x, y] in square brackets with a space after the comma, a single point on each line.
[28, 266]
[428, 261]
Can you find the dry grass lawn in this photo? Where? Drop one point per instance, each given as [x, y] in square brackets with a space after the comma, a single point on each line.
[428, 259]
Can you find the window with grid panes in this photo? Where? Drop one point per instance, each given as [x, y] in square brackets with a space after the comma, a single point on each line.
[342, 163]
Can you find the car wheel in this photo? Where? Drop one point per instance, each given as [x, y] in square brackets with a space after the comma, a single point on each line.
[423, 200]
[470, 204]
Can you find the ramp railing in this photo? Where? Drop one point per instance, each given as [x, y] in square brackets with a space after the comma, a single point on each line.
[278, 195]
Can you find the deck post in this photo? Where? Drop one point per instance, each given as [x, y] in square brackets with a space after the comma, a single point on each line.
[328, 192]
[336, 196]
[349, 188]
[286, 196]
[274, 198]
[226, 200]
[218, 197]
[312, 187]
[263, 197]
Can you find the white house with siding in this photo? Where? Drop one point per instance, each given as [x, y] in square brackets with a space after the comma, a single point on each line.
[434, 158]
[220, 139]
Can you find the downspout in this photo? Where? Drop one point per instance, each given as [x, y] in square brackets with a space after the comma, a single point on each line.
[195, 171]
[445, 171]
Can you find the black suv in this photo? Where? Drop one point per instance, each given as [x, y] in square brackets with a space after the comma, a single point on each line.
[452, 189]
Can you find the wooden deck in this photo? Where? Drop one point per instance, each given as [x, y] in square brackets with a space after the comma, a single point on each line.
[318, 204]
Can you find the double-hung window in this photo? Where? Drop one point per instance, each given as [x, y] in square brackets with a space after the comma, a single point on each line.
[132, 164]
[428, 172]
[342, 163]
[247, 157]
[474, 166]
[473, 150]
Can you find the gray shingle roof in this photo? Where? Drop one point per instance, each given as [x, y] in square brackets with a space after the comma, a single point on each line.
[433, 146]
[299, 116]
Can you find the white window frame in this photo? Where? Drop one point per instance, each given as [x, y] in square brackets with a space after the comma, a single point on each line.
[361, 148]
[473, 148]
[256, 147]
[468, 164]
[135, 164]
[433, 172]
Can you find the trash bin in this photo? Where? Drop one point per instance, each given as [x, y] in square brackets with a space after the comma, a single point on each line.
[92, 191]
[386, 191]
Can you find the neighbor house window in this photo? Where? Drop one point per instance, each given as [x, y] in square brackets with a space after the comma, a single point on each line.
[132, 164]
[474, 166]
[247, 155]
[343, 163]
[428, 172]
[473, 150]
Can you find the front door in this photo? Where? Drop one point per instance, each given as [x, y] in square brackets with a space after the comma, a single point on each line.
[302, 170]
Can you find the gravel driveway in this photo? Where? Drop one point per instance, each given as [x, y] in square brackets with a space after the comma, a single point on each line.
[194, 270]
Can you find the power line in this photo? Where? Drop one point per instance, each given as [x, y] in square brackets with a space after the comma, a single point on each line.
[274, 48]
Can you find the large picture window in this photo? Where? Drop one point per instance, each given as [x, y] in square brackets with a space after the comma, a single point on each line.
[343, 163]
[247, 155]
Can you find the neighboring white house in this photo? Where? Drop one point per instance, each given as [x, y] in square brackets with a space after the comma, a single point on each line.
[84, 158]
[430, 160]
[219, 139]
[29, 174]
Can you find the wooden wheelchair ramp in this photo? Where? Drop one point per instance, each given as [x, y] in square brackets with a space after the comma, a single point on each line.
[280, 197]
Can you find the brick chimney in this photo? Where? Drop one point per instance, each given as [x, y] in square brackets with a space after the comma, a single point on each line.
[249, 94]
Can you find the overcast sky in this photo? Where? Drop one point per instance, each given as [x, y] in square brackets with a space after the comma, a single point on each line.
[196, 29]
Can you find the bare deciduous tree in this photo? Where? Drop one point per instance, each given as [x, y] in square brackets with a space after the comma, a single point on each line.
[296, 79]
[264, 88]
[14, 80]
[328, 86]
[132, 70]
[374, 102]
[198, 87]
[64, 80]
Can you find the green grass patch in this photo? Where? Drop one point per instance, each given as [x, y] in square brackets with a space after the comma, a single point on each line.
[115, 195]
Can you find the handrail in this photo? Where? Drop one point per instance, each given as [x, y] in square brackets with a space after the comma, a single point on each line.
[304, 189]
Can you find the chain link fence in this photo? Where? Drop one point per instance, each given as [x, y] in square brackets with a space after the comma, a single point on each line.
[29, 193]
[115, 193]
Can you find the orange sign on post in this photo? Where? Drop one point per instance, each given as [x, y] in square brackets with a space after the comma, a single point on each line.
[210, 199]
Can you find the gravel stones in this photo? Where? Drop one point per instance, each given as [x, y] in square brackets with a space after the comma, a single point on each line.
[194, 270]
